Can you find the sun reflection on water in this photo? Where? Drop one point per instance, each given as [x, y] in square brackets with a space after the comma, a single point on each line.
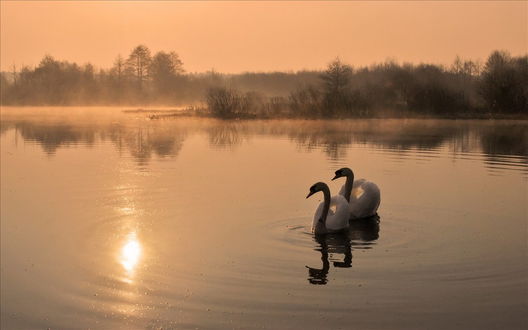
[130, 254]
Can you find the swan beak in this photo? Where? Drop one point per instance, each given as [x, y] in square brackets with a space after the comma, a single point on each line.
[310, 194]
[335, 177]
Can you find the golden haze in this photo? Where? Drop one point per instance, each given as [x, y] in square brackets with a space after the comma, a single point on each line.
[266, 36]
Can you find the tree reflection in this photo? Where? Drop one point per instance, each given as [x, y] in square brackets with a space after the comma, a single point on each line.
[140, 141]
[52, 137]
[145, 139]
[225, 135]
[502, 141]
[362, 234]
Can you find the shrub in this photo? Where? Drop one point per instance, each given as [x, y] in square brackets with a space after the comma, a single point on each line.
[306, 102]
[230, 103]
[223, 102]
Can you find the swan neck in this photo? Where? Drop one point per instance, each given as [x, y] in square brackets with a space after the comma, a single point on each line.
[348, 186]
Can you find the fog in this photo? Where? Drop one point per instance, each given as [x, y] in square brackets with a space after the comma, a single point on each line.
[465, 88]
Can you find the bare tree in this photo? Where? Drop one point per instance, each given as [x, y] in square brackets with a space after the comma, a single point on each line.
[119, 68]
[458, 66]
[336, 80]
[138, 64]
[14, 75]
[336, 77]
[465, 67]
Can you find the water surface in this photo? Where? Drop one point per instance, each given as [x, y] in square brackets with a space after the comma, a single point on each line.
[112, 220]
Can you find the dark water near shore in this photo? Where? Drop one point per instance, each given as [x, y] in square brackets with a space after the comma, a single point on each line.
[113, 221]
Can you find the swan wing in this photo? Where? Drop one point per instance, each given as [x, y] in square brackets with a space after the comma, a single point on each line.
[357, 184]
[364, 200]
[338, 214]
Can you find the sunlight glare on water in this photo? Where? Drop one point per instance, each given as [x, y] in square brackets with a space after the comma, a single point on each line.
[130, 254]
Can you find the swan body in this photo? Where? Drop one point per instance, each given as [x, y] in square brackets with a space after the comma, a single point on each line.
[332, 214]
[336, 220]
[363, 196]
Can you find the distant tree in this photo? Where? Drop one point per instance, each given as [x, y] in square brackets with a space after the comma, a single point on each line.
[336, 81]
[117, 79]
[465, 67]
[214, 76]
[471, 68]
[48, 66]
[458, 66]
[118, 70]
[47, 82]
[336, 77]
[305, 102]
[24, 75]
[504, 84]
[5, 89]
[14, 72]
[88, 84]
[433, 91]
[164, 67]
[138, 64]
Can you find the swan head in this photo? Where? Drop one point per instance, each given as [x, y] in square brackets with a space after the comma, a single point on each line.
[343, 172]
[319, 186]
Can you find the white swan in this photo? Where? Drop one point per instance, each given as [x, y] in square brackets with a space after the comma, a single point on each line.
[332, 214]
[362, 196]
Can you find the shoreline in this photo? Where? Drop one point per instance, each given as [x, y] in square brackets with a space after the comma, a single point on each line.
[167, 112]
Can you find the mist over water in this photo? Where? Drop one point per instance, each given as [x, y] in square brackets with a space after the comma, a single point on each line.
[112, 220]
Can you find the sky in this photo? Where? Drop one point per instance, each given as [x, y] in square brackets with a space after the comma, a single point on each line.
[261, 36]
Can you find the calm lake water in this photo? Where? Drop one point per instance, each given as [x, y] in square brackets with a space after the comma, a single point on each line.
[111, 220]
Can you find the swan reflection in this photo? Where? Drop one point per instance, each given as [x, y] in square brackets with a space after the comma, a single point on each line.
[361, 234]
[130, 253]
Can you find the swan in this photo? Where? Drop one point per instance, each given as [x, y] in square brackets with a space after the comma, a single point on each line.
[325, 219]
[362, 196]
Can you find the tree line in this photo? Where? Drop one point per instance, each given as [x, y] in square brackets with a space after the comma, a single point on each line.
[465, 89]
[471, 88]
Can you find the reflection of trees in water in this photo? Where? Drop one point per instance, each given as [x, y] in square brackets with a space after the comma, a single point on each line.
[144, 139]
[5, 126]
[508, 140]
[362, 234]
[505, 140]
[53, 136]
[331, 138]
[335, 138]
[141, 141]
[226, 134]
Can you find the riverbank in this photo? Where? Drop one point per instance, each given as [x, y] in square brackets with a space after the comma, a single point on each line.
[156, 114]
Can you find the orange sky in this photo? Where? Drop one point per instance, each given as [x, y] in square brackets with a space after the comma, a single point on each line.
[261, 36]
